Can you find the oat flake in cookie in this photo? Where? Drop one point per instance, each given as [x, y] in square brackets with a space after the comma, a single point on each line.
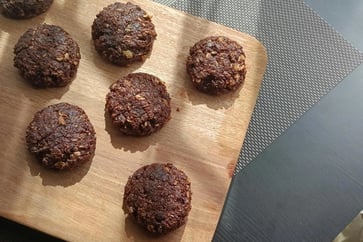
[158, 197]
[216, 65]
[138, 104]
[123, 33]
[21, 9]
[47, 56]
[61, 136]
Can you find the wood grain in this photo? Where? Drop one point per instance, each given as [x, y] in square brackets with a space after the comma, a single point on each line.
[203, 138]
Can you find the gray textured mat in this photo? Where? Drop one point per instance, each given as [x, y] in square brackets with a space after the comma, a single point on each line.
[307, 58]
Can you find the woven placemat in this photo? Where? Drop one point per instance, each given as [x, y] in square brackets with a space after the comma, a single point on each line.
[306, 59]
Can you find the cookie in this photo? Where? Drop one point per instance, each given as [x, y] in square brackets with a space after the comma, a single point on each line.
[61, 136]
[138, 104]
[22, 9]
[123, 33]
[216, 65]
[47, 56]
[158, 197]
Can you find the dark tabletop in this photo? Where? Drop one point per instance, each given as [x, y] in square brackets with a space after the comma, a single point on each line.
[306, 185]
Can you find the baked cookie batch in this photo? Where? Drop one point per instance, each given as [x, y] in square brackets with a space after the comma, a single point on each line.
[157, 196]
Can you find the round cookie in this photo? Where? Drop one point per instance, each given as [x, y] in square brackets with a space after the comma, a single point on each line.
[61, 136]
[123, 33]
[158, 197]
[47, 56]
[216, 65]
[21, 9]
[138, 104]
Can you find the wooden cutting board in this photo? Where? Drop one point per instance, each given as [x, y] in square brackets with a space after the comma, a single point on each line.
[203, 138]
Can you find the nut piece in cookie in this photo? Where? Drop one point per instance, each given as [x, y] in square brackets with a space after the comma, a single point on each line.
[61, 136]
[158, 197]
[138, 104]
[216, 65]
[47, 56]
[123, 33]
[22, 9]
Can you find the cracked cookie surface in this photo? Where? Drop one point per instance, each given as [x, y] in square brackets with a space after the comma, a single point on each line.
[61, 136]
[22, 9]
[158, 197]
[138, 104]
[47, 56]
[123, 33]
[216, 65]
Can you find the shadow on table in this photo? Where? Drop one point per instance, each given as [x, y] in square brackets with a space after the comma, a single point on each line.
[139, 234]
[126, 143]
[58, 178]
[11, 231]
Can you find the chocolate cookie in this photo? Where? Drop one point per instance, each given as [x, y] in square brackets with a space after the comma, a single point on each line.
[158, 197]
[138, 104]
[47, 56]
[123, 33]
[61, 136]
[216, 65]
[21, 9]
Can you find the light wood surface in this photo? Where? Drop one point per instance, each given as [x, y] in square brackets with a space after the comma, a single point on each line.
[203, 138]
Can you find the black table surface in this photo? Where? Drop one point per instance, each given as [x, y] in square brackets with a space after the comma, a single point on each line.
[307, 185]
